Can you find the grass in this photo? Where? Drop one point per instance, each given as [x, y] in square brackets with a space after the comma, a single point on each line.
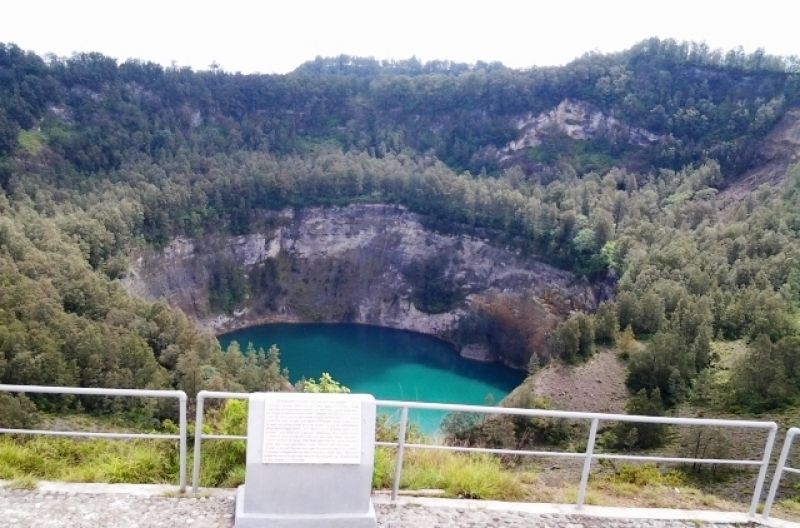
[570, 496]
[460, 475]
[790, 505]
[222, 464]
[87, 461]
[644, 475]
[383, 474]
[729, 352]
[659, 496]
[26, 482]
[645, 485]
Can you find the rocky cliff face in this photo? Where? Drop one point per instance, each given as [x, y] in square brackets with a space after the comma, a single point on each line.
[372, 264]
[576, 120]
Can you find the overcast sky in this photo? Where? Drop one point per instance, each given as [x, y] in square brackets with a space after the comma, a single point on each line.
[277, 36]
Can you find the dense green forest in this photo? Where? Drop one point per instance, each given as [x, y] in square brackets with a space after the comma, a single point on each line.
[99, 157]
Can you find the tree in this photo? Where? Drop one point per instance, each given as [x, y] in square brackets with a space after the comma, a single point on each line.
[587, 335]
[703, 442]
[606, 324]
[227, 286]
[566, 340]
[17, 412]
[759, 379]
[603, 228]
[664, 365]
[643, 435]
[274, 379]
[574, 338]
[650, 314]
[8, 134]
[788, 350]
[627, 342]
[626, 309]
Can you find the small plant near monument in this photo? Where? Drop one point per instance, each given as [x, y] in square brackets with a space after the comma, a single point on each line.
[326, 383]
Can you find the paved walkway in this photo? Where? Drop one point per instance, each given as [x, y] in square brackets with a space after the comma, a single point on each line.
[82, 506]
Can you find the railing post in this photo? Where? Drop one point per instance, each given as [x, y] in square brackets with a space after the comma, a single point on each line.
[587, 463]
[401, 444]
[776, 479]
[182, 424]
[198, 439]
[762, 473]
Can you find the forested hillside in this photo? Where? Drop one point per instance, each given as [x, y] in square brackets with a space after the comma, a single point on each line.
[610, 167]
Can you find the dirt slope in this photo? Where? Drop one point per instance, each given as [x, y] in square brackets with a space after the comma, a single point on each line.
[779, 149]
[595, 386]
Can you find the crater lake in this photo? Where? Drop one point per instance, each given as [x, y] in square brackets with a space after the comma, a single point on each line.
[387, 363]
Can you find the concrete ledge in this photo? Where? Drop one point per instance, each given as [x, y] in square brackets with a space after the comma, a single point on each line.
[571, 509]
[608, 512]
[136, 490]
[383, 498]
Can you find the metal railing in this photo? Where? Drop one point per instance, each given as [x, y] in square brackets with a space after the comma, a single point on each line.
[202, 396]
[781, 468]
[588, 456]
[135, 393]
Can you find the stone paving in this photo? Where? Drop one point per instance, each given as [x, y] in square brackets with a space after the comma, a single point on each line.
[59, 509]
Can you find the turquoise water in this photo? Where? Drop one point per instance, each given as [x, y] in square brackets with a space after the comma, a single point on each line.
[387, 363]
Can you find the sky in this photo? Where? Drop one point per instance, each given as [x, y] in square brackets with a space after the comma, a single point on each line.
[271, 36]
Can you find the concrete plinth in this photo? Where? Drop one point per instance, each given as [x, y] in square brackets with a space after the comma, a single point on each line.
[329, 520]
[309, 462]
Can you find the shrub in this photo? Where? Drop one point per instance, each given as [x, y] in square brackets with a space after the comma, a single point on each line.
[645, 475]
[17, 412]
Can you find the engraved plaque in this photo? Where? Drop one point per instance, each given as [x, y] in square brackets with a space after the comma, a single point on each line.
[303, 430]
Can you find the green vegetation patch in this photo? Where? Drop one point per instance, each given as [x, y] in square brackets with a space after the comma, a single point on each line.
[71, 460]
[227, 286]
[460, 475]
[30, 141]
[645, 475]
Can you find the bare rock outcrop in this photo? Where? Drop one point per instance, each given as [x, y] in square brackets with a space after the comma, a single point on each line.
[371, 264]
[577, 120]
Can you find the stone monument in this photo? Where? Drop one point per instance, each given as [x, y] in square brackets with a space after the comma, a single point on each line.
[309, 462]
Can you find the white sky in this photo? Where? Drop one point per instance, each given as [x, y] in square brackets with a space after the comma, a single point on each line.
[277, 36]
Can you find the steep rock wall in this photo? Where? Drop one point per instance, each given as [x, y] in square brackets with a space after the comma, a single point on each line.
[576, 120]
[372, 264]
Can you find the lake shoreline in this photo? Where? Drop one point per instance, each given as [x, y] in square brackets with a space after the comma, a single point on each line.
[471, 352]
[389, 363]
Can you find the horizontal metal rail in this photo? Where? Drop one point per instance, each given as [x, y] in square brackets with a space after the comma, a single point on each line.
[134, 393]
[588, 456]
[488, 450]
[224, 437]
[574, 415]
[89, 391]
[781, 468]
[86, 434]
[679, 460]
